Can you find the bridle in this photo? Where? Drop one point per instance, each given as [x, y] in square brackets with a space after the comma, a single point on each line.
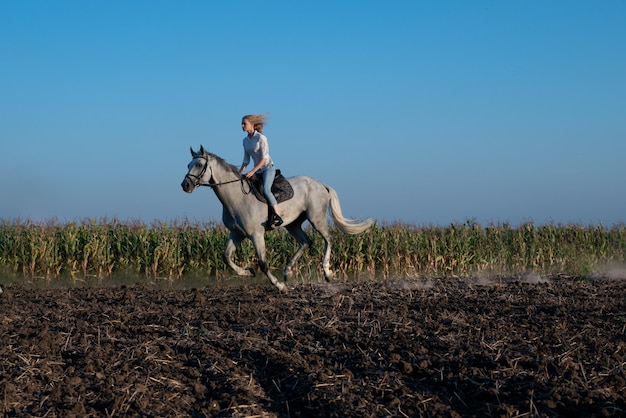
[197, 180]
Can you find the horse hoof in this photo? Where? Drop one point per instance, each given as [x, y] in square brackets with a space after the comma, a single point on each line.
[250, 272]
[282, 287]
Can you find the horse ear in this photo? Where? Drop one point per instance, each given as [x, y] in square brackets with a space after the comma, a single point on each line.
[202, 151]
[192, 151]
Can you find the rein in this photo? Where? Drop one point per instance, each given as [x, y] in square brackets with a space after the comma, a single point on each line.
[197, 178]
[228, 182]
[219, 184]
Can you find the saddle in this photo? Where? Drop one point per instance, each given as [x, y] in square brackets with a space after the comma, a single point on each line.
[281, 188]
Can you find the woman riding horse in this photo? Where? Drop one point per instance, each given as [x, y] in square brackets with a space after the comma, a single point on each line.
[255, 145]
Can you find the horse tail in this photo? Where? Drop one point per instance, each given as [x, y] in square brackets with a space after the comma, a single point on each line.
[348, 226]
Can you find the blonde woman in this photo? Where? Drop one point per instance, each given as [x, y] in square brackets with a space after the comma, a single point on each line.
[255, 145]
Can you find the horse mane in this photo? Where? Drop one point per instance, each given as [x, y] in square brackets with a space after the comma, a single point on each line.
[226, 166]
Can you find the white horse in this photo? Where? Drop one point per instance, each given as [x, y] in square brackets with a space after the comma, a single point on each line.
[245, 216]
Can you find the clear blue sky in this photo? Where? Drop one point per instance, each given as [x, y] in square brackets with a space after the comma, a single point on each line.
[423, 112]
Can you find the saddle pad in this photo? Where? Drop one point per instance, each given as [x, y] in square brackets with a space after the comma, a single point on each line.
[281, 188]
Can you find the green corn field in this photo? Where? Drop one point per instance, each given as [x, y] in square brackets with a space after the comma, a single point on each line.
[179, 249]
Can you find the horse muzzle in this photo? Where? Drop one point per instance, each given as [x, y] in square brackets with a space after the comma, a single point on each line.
[188, 185]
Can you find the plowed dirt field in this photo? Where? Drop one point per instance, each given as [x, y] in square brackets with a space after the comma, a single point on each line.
[407, 348]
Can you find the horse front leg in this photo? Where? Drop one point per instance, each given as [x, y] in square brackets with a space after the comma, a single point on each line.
[233, 242]
[259, 245]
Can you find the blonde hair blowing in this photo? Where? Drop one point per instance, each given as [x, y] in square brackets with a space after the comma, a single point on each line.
[258, 121]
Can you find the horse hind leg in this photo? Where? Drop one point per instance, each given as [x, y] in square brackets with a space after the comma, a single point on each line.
[304, 242]
[322, 227]
[328, 273]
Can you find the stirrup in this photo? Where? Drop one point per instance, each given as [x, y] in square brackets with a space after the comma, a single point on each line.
[277, 221]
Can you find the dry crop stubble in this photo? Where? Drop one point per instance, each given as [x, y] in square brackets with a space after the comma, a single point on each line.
[443, 347]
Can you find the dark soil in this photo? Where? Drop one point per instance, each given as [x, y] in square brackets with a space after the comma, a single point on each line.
[444, 348]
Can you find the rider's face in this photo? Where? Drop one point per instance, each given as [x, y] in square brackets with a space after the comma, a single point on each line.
[247, 126]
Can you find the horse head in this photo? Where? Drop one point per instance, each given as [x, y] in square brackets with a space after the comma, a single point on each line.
[197, 170]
